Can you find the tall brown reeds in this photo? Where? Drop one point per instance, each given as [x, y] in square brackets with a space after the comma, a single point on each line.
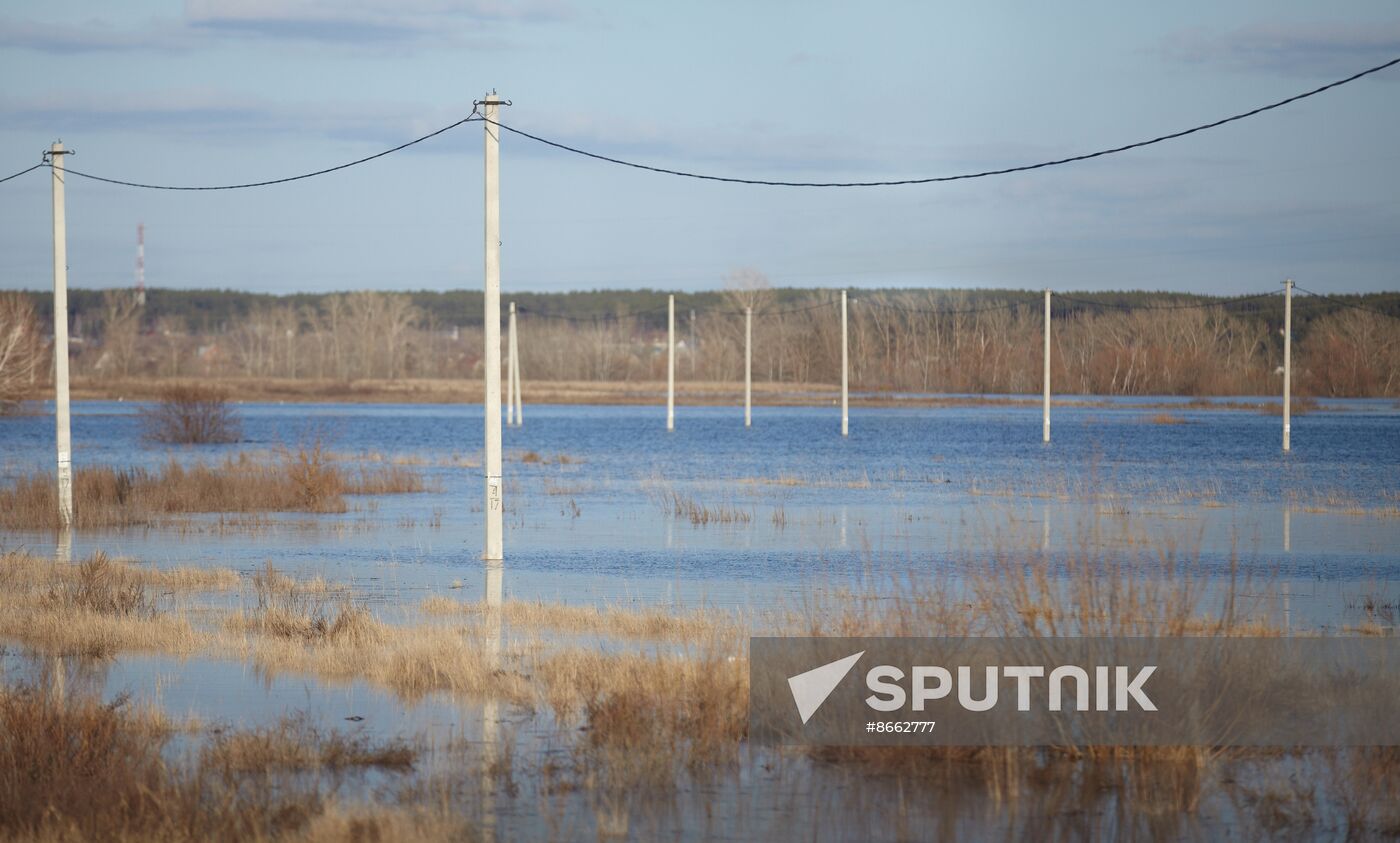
[304, 480]
[75, 768]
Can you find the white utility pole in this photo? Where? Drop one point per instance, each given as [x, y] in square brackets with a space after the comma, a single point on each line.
[671, 363]
[748, 366]
[63, 435]
[492, 551]
[515, 369]
[845, 412]
[1045, 424]
[1287, 361]
[510, 368]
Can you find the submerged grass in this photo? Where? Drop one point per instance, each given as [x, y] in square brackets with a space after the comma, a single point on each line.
[304, 480]
[669, 704]
[652, 623]
[80, 769]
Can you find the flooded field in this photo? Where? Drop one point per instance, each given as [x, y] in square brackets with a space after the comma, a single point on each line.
[626, 542]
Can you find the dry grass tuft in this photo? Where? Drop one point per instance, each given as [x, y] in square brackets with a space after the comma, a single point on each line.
[79, 769]
[305, 480]
[296, 744]
[647, 716]
[285, 608]
[686, 508]
[96, 607]
[653, 623]
[1166, 418]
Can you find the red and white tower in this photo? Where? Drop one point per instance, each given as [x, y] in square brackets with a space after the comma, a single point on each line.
[141, 263]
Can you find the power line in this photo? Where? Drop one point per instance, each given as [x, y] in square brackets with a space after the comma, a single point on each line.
[1342, 303]
[728, 179]
[22, 172]
[469, 118]
[1173, 306]
[941, 311]
[589, 318]
[1138, 145]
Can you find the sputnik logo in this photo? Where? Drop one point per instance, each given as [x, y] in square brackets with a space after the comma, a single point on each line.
[810, 689]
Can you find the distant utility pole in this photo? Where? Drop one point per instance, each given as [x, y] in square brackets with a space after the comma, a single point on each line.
[492, 316]
[510, 368]
[515, 369]
[1287, 361]
[671, 362]
[692, 342]
[845, 412]
[63, 435]
[141, 264]
[748, 366]
[1045, 424]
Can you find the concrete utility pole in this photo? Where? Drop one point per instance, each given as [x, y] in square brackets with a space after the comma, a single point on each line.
[671, 363]
[748, 366]
[510, 368]
[1045, 425]
[1287, 361]
[63, 435]
[845, 404]
[515, 369]
[492, 552]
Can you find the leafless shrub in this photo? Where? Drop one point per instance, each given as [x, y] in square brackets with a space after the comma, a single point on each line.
[190, 414]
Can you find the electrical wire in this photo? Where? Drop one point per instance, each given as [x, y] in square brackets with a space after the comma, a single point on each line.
[1342, 303]
[1000, 172]
[475, 115]
[22, 172]
[941, 311]
[588, 319]
[1174, 306]
[469, 118]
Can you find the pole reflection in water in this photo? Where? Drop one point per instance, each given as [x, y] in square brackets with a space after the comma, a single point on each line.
[63, 549]
[490, 713]
[1045, 528]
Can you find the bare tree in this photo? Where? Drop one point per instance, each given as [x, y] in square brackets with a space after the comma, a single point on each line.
[21, 349]
[121, 325]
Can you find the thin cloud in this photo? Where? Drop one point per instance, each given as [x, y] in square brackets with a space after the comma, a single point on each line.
[94, 36]
[366, 22]
[1313, 50]
[220, 115]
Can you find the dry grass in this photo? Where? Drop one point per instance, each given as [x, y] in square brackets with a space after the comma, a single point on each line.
[645, 716]
[655, 623]
[1298, 405]
[686, 508]
[641, 720]
[1166, 418]
[98, 607]
[309, 611]
[305, 480]
[296, 744]
[78, 769]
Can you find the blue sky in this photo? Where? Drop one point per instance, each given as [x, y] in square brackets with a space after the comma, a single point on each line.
[230, 90]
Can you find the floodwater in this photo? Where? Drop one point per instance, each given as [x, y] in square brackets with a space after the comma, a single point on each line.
[908, 490]
[795, 508]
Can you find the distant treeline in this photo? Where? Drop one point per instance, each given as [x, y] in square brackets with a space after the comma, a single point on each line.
[982, 341]
[211, 311]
